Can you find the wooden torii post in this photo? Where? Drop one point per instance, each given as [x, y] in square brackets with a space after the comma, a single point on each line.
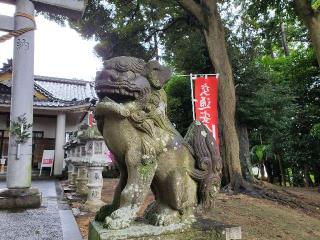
[19, 193]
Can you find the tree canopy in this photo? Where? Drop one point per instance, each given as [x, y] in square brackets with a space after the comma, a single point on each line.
[267, 54]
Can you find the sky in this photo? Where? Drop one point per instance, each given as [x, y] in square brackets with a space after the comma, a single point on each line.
[59, 51]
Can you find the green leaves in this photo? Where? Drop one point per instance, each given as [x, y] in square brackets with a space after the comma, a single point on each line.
[315, 4]
[131, 28]
[20, 129]
[179, 102]
[259, 151]
[315, 131]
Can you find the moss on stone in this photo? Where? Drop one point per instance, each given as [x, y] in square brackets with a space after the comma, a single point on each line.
[145, 170]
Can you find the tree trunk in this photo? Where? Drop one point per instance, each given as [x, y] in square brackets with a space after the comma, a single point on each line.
[307, 180]
[156, 48]
[284, 39]
[207, 14]
[314, 29]
[263, 173]
[282, 181]
[311, 19]
[317, 175]
[215, 40]
[225, 172]
[244, 147]
[289, 177]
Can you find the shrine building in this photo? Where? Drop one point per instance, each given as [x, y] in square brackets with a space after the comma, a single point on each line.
[59, 107]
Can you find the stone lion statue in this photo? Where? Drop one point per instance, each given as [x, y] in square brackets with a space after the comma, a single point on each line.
[183, 173]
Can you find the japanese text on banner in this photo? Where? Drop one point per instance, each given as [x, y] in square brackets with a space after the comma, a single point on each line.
[206, 103]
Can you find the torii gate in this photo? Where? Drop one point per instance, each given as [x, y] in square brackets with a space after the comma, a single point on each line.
[19, 193]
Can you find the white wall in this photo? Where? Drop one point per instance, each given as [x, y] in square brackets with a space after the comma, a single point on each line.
[47, 125]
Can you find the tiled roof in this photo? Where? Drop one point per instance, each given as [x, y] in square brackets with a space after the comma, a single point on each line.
[6, 66]
[65, 89]
[48, 103]
[60, 92]
[6, 99]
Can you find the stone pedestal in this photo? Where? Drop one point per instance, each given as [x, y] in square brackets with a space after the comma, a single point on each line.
[95, 185]
[70, 172]
[20, 198]
[203, 229]
[82, 180]
[74, 175]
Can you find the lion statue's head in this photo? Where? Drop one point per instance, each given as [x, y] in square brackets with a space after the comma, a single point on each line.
[131, 88]
[126, 79]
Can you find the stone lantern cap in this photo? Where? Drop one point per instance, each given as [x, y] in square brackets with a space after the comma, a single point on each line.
[81, 138]
[87, 133]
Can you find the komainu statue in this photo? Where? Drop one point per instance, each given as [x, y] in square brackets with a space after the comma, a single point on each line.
[183, 173]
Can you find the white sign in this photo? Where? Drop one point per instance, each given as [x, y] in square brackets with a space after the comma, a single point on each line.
[3, 161]
[47, 160]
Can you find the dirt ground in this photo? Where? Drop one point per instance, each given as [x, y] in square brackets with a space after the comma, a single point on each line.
[260, 219]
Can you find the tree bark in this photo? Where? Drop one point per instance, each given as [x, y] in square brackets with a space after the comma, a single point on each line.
[208, 16]
[215, 40]
[263, 172]
[225, 172]
[311, 19]
[289, 177]
[284, 39]
[282, 181]
[307, 180]
[244, 147]
[317, 174]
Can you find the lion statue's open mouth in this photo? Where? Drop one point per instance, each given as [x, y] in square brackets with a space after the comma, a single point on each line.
[125, 79]
[132, 117]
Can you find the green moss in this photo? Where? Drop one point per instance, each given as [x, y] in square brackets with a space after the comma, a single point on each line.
[145, 170]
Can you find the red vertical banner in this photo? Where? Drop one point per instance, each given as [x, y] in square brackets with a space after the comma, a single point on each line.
[90, 119]
[206, 103]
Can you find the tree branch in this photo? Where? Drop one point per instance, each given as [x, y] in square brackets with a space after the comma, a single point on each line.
[164, 29]
[195, 9]
[303, 9]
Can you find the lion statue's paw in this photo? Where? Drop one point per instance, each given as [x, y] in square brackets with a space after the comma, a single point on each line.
[163, 220]
[161, 215]
[104, 212]
[121, 218]
[111, 223]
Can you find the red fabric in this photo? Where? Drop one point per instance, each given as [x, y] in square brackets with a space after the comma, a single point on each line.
[206, 103]
[90, 119]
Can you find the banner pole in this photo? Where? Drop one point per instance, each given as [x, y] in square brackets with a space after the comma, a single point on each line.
[192, 97]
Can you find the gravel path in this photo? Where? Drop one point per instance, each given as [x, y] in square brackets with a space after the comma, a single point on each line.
[43, 223]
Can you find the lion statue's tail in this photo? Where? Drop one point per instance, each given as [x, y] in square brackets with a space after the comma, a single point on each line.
[208, 166]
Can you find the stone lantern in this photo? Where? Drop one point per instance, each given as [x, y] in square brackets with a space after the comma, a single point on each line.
[70, 147]
[96, 159]
[73, 160]
[82, 178]
[67, 148]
